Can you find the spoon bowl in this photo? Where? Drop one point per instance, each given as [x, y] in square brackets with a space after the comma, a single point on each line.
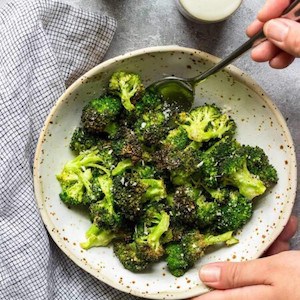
[177, 92]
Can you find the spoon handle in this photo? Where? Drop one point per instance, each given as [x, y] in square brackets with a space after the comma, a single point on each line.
[292, 12]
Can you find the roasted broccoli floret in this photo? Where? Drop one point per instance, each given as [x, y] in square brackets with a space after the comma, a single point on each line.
[189, 161]
[153, 224]
[259, 165]
[190, 207]
[179, 155]
[98, 237]
[100, 113]
[103, 212]
[182, 255]
[76, 177]
[131, 192]
[150, 101]
[128, 146]
[184, 207]
[176, 261]
[128, 87]
[177, 139]
[151, 127]
[226, 164]
[128, 255]
[174, 143]
[83, 140]
[152, 119]
[74, 187]
[194, 244]
[127, 194]
[206, 122]
[207, 212]
[234, 214]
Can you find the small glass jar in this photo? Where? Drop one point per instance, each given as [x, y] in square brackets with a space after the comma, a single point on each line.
[207, 11]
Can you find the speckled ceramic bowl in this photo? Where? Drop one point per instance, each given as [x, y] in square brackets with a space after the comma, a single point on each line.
[259, 123]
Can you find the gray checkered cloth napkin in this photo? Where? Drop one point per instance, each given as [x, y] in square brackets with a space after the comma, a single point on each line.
[44, 47]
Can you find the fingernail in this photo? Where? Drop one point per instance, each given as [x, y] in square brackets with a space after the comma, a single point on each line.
[209, 274]
[276, 30]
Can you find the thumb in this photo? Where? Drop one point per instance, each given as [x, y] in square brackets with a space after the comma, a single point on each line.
[285, 34]
[230, 275]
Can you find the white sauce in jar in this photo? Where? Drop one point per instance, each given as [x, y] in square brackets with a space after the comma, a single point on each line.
[208, 10]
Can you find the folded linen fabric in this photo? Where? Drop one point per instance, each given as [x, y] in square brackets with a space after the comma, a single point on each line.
[44, 47]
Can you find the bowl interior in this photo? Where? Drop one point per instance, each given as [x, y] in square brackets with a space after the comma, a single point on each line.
[259, 123]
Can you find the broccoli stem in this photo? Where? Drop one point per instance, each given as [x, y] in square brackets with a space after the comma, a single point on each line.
[159, 230]
[125, 98]
[212, 239]
[121, 167]
[248, 185]
[97, 237]
[105, 170]
[106, 183]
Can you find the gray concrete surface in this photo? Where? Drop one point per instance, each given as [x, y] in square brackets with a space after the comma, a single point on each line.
[143, 23]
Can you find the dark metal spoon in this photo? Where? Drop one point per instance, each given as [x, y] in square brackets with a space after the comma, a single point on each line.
[179, 92]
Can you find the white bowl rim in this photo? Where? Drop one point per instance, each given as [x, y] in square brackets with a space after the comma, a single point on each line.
[240, 76]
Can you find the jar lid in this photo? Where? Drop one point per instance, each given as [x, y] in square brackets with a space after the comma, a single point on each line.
[209, 10]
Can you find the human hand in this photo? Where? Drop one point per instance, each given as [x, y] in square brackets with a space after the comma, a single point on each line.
[266, 278]
[283, 43]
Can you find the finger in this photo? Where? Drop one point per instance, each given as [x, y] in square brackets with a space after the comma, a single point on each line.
[289, 230]
[285, 34]
[254, 27]
[229, 275]
[282, 60]
[282, 242]
[276, 248]
[272, 9]
[264, 52]
[258, 292]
